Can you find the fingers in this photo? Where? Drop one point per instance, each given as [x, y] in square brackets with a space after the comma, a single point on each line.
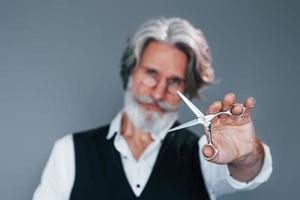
[208, 151]
[237, 109]
[249, 105]
[228, 101]
[250, 102]
[215, 107]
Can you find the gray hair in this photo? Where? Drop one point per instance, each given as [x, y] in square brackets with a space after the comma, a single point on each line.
[184, 36]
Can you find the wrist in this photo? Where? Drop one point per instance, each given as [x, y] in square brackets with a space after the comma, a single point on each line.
[246, 168]
[255, 157]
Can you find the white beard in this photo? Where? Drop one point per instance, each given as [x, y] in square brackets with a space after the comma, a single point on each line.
[146, 120]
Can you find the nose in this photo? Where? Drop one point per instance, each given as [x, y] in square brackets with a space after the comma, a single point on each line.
[159, 91]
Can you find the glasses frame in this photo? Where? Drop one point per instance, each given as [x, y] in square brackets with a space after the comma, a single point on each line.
[151, 74]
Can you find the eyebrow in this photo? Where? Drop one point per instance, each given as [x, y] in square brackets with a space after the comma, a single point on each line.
[153, 68]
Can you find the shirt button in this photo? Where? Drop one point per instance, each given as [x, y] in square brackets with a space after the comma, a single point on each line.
[138, 185]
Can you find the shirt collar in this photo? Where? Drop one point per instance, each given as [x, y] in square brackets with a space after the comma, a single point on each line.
[115, 126]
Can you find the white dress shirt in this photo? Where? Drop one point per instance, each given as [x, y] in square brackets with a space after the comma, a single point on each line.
[59, 174]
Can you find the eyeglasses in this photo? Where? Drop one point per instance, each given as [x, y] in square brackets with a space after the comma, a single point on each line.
[151, 78]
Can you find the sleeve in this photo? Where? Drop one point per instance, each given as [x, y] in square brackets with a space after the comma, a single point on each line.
[218, 180]
[58, 176]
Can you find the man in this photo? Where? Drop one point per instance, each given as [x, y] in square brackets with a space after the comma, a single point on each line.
[134, 157]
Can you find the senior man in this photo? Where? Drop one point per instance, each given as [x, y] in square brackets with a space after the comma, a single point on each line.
[134, 157]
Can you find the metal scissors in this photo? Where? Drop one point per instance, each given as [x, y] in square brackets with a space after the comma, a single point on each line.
[205, 120]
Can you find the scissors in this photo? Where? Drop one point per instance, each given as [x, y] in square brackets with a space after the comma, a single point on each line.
[205, 120]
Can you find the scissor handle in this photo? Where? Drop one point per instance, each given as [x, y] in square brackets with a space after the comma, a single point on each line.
[211, 150]
[229, 111]
[208, 118]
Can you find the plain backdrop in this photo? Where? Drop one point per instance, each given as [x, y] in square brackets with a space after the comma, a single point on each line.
[59, 73]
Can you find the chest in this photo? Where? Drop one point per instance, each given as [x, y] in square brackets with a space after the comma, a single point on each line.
[101, 173]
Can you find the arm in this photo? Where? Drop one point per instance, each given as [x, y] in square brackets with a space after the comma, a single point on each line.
[246, 168]
[219, 181]
[239, 150]
[59, 174]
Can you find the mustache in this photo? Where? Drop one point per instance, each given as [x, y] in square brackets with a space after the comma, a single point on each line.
[163, 105]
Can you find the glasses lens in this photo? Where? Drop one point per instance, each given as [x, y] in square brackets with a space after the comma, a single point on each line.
[172, 87]
[148, 81]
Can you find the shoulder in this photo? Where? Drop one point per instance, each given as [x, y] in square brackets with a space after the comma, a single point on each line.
[63, 144]
[99, 132]
[91, 138]
[66, 143]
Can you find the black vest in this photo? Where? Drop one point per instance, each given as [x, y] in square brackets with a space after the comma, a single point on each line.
[99, 174]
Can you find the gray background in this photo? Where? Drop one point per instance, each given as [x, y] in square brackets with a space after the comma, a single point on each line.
[59, 73]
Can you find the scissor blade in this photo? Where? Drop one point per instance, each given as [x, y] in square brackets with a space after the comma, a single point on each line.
[185, 125]
[197, 112]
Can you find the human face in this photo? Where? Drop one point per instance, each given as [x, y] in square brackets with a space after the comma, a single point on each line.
[166, 64]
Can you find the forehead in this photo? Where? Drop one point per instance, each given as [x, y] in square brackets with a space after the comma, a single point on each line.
[164, 58]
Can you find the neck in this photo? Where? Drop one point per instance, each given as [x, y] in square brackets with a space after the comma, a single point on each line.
[137, 140]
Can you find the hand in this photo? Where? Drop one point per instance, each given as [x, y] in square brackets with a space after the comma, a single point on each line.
[233, 136]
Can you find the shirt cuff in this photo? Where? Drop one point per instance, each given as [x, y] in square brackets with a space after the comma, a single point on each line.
[262, 177]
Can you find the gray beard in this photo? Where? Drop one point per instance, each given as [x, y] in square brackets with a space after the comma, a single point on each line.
[147, 121]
